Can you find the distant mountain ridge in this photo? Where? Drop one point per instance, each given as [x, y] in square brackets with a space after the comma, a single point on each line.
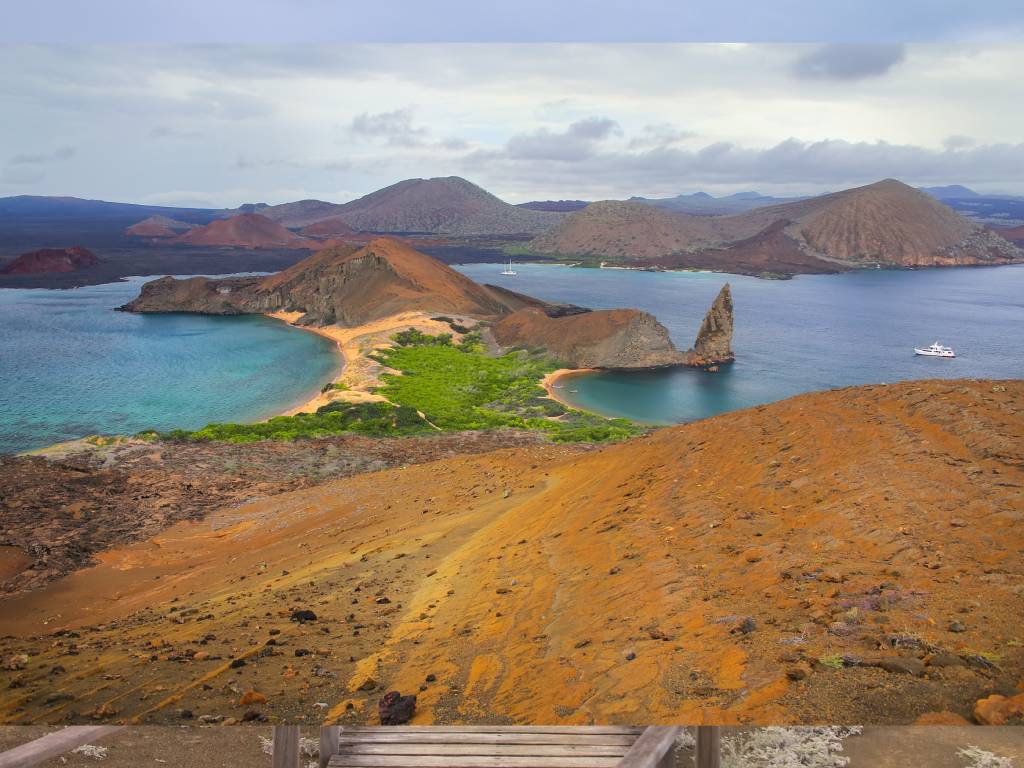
[883, 224]
[703, 204]
[446, 206]
[558, 206]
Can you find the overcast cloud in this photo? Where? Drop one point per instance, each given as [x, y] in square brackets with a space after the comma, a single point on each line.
[222, 125]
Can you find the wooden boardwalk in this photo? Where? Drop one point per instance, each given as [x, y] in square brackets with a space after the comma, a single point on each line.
[498, 747]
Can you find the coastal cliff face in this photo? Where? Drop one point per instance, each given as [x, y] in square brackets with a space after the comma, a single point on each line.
[51, 260]
[714, 340]
[613, 338]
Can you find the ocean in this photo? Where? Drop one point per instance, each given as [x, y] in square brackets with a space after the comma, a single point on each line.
[70, 366]
[813, 332]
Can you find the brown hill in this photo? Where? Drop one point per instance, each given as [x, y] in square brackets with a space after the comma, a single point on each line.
[1013, 234]
[158, 226]
[449, 205]
[51, 260]
[247, 230]
[618, 338]
[298, 214]
[331, 227]
[344, 285]
[887, 224]
[846, 556]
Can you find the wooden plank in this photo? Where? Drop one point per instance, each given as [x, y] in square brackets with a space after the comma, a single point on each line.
[54, 745]
[286, 746]
[468, 761]
[579, 729]
[329, 736]
[525, 750]
[709, 748]
[408, 737]
[651, 746]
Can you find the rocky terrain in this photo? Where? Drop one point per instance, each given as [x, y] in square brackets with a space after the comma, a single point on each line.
[620, 338]
[158, 226]
[51, 260]
[349, 286]
[247, 230]
[888, 224]
[850, 556]
[63, 506]
[449, 206]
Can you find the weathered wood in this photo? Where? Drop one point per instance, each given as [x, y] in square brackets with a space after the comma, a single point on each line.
[286, 746]
[650, 747]
[468, 761]
[709, 746]
[329, 741]
[54, 745]
[385, 736]
[522, 750]
[570, 729]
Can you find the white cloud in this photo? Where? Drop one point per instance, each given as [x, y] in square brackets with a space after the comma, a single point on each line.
[578, 121]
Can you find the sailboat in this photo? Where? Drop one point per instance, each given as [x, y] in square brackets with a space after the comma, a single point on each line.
[508, 269]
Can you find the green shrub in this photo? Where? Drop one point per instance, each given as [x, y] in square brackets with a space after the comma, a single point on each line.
[454, 386]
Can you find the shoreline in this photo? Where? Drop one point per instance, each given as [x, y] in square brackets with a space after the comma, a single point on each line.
[358, 374]
[550, 381]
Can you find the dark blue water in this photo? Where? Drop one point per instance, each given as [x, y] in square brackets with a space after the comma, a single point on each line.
[70, 366]
[792, 336]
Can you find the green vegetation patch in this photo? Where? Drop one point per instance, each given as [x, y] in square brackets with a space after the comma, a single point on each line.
[443, 386]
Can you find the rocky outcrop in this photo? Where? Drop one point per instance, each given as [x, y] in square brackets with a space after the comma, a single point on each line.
[612, 338]
[247, 230]
[51, 260]
[714, 340]
[616, 338]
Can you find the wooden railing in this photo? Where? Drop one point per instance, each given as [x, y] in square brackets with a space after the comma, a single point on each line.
[54, 745]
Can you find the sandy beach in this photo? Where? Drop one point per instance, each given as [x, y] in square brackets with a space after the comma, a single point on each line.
[360, 374]
[554, 381]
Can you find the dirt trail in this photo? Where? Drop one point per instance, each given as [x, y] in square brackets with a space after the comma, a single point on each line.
[850, 556]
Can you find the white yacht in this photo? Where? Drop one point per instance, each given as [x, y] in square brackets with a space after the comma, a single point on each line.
[508, 270]
[935, 350]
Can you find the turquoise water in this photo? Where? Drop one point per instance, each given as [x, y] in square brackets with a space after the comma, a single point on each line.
[791, 336]
[70, 366]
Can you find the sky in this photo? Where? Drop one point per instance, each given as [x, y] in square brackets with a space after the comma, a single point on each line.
[223, 124]
[277, 21]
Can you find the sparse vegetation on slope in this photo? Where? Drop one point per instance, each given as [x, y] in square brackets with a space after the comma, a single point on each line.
[441, 386]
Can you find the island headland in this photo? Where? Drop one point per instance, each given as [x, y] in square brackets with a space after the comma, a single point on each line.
[351, 286]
